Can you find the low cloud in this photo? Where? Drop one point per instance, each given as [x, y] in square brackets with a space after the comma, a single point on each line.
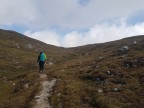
[97, 34]
[46, 36]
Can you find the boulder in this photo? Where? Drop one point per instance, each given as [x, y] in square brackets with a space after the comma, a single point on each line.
[98, 79]
[100, 91]
[37, 97]
[115, 90]
[26, 86]
[134, 42]
[128, 64]
[50, 63]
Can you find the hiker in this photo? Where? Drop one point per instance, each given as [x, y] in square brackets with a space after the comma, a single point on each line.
[41, 60]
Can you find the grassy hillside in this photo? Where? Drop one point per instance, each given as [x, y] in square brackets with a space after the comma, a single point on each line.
[108, 75]
[102, 76]
[18, 56]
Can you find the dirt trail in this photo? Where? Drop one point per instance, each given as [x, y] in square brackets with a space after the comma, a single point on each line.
[42, 99]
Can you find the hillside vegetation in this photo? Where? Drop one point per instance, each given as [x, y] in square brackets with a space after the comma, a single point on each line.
[18, 68]
[108, 75]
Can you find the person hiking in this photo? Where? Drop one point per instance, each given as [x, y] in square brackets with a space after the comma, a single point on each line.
[41, 60]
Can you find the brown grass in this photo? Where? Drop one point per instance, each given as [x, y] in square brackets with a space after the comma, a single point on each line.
[76, 70]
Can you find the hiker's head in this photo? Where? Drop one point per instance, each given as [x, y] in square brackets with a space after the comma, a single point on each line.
[41, 52]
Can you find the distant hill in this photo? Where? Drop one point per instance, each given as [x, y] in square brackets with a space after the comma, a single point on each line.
[106, 75]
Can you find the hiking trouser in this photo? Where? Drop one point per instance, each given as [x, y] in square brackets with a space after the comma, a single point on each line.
[41, 65]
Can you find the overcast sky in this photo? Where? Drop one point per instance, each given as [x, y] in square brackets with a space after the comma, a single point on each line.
[71, 23]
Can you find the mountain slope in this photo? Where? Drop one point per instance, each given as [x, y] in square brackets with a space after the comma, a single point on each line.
[107, 75]
[18, 56]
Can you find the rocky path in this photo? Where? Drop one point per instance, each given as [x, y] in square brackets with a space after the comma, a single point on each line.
[42, 99]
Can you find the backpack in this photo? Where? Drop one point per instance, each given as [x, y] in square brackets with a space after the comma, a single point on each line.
[42, 57]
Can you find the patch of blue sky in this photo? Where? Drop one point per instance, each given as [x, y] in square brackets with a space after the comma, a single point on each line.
[136, 18]
[17, 28]
[84, 2]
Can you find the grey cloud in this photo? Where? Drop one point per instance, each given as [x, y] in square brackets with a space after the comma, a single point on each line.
[68, 13]
[41, 14]
[16, 11]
